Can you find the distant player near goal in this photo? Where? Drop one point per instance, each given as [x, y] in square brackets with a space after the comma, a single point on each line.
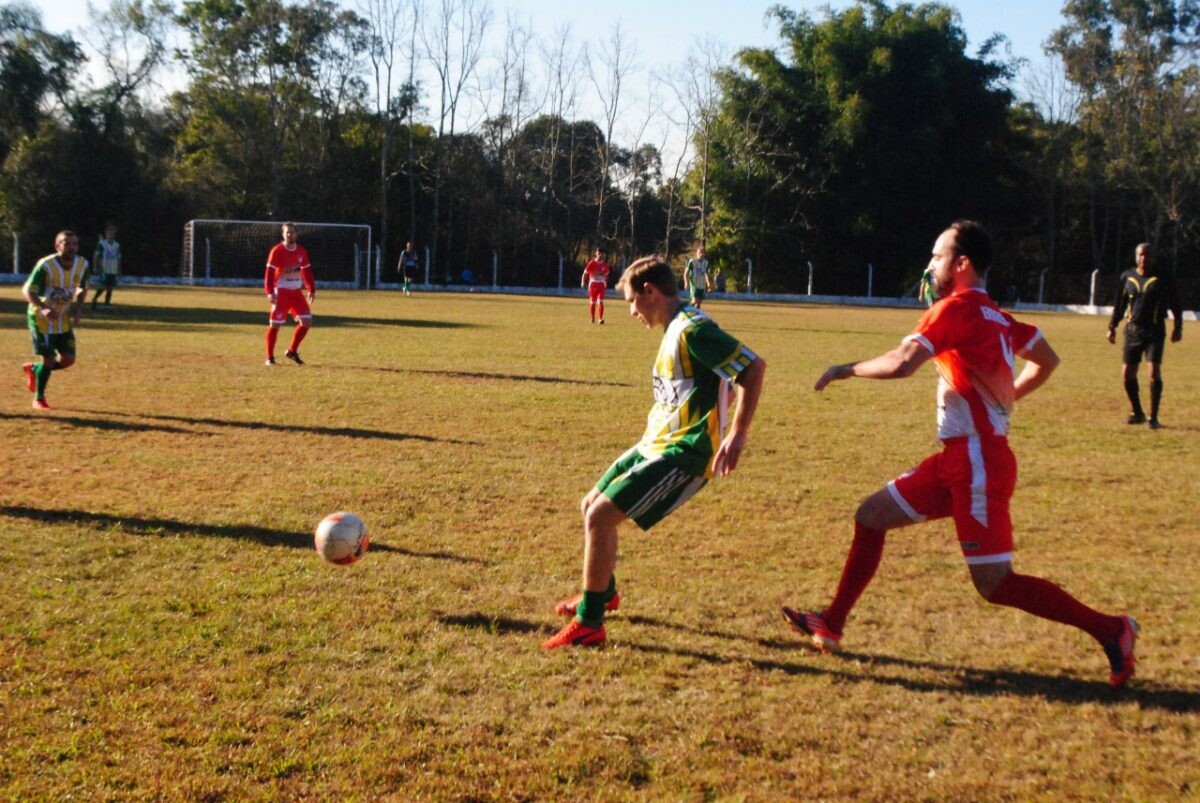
[106, 265]
[288, 269]
[595, 276]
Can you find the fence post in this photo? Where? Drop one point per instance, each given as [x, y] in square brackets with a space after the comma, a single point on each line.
[1092, 292]
[810, 277]
[495, 267]
[16, 253]
[207, 258]
[1042, 285]
[378, 265]
[749, 275]
[426, 266]
[870, 280]
[560, 268]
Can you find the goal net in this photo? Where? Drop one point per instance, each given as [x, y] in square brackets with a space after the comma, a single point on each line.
[235, 251]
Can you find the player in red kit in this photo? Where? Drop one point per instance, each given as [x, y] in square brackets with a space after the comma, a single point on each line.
[288, 270]
[972, 343]
[595, 278]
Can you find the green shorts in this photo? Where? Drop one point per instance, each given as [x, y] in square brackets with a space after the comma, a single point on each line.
[647, 489]
[698, 296]
[47, 345]
[107, 280]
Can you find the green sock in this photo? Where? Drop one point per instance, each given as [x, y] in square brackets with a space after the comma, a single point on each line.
[42, 372]
[591, 608]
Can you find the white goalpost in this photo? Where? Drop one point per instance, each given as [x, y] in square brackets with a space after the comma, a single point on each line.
[234, 252]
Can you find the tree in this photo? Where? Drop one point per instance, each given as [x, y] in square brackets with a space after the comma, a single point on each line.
[877, 131]
[1135, 63]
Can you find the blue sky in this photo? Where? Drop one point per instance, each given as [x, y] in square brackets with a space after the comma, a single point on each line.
[667, 27]
[663, 32]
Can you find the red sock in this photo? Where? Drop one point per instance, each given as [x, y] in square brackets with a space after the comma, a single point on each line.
[272, 336]
[297, 336]
[1043, 598]
[861, 563]
[601, 310]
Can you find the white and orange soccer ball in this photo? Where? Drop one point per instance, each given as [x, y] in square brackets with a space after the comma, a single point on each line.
[342, 538]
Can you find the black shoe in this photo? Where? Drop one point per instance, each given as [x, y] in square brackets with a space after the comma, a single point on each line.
[294, 356]
[1136, 418]
[270, 361]
[1153, 423]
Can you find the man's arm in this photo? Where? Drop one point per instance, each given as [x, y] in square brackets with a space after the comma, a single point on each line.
[900, 362]
[1118, 311]
[1041, 362]
[1175, 304]
[747, 389]
[33, 288]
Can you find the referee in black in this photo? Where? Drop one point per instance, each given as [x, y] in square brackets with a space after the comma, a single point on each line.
[1144, 300]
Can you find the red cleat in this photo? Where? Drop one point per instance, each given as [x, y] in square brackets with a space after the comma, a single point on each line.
[568, 607]
[30, 378]
[1120, 653]
[576, 634]
[811, 625]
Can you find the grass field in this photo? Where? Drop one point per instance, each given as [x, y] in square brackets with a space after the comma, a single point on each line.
[167, 632]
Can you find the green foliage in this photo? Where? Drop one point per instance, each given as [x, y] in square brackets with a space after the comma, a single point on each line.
[876, 131]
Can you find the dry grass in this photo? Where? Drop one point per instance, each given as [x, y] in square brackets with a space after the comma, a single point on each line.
[166, 631]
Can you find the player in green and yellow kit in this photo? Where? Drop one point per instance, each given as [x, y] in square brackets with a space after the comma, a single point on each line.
[106, 265]
[685, 443]
[56, 289]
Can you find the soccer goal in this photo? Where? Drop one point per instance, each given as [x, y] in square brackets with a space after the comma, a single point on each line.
[235, 251]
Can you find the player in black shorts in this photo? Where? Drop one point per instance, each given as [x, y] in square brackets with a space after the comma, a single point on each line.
[1146, 296]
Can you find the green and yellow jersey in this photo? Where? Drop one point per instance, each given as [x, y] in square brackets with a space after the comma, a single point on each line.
[57, 286]
[695, 363]
[108, 257]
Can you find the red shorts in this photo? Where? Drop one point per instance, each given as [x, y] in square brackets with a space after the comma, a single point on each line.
[289, 302]
[596, 291]
[971, 479]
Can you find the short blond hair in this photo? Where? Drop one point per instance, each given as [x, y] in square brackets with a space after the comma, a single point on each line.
[650, 270]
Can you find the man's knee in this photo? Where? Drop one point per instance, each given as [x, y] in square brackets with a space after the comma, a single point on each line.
[988, 577]
[64, 361]
[601, 515]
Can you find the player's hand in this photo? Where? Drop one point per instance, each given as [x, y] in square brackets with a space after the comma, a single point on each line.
[834, 373]
[271, 299]
[1176, 335]
[1112, 335]
[50, 313]
[728, 454]
[311, 297]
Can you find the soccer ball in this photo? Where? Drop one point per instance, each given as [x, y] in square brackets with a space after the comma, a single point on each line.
[342, 538]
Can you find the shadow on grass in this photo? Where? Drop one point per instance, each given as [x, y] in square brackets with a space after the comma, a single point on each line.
[956, 680]
[132, 525]
[556, 380]
[344, 432]
[98, 423]
[135, 316]
[494, 625]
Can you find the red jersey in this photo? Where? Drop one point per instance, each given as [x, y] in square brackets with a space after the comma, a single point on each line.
[288, 269]
[597, 271]
[973, 342]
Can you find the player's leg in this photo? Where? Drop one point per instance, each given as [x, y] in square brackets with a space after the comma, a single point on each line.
[982, 490]
[110, 281]
[303, 324]
[915, 496]
[600, 300]
[1154, 353]
[634, 487]
[1132, 357]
